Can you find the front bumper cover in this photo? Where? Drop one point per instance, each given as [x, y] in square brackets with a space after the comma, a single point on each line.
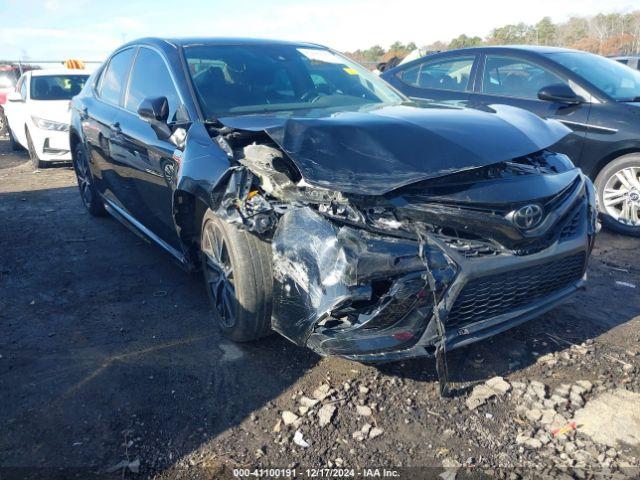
[348, 292]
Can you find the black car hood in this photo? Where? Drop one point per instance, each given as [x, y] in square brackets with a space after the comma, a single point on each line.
[375, 150]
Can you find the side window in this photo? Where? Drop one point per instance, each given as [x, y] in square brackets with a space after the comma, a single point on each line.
[450, 74]
[513, 77]
[114, 78]
[410, 75]
[22, 88]
[150, 77]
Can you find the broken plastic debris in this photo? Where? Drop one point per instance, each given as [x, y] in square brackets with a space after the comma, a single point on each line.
[134, 467]
[449, 474]
[298, 440]
[563, 430]
[625, 284]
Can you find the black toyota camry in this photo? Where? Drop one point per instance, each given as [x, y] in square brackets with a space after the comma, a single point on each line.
[321, 203]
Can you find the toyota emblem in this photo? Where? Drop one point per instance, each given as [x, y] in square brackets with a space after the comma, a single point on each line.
[527, 217]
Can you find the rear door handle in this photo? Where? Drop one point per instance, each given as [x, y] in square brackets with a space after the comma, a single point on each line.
[115, 128]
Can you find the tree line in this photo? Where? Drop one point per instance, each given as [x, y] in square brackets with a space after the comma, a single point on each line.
[605, 34]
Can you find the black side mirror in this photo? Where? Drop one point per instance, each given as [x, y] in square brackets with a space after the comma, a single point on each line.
[155, 110]
[560, 93]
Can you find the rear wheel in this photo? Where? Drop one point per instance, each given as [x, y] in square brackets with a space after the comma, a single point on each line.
[618, 189]
[33, 155]
[237, 272]
[90, 196]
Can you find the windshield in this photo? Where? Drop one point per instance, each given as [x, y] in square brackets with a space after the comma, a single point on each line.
[56, 87]
[241, 79]
[615, 79]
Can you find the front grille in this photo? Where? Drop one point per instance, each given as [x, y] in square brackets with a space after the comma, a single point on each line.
[571, 227]
[487, 297]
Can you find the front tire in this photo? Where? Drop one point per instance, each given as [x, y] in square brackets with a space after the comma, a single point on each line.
[618, 191]
[13, 143]
[88, 192]
[236, 267]
[33, 155]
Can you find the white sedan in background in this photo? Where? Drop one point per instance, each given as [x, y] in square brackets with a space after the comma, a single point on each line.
[38, 113]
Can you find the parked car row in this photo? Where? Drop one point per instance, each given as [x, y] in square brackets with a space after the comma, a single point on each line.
[38, 115]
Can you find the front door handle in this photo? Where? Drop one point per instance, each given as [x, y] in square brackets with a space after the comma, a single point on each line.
[115, 128]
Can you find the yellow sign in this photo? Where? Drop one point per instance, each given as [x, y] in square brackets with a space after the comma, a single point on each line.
[74, 64]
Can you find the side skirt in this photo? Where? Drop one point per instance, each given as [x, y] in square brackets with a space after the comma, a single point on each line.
[143, 232]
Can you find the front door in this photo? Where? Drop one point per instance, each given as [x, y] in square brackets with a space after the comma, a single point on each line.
[145, 160]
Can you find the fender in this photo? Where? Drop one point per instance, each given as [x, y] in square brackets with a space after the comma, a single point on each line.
[202, 165]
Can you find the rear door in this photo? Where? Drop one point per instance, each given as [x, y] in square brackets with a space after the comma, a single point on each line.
[99, 126]
[145, 160]
[444, 77]
[510, 79]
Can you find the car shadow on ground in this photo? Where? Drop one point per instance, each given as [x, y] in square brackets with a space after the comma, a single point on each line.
[109, 350]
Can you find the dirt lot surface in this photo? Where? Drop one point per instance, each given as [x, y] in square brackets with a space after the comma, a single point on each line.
[110, 363]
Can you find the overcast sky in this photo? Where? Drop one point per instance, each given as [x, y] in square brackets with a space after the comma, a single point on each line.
[89, 29]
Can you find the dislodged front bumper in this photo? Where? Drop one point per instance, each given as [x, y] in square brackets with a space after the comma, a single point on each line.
[345, 291]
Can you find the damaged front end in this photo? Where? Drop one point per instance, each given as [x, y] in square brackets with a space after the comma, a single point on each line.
[429, 266]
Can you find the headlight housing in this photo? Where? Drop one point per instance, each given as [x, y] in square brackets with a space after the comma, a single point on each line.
[50, 124]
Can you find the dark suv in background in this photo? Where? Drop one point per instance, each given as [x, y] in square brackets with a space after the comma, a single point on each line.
[598, 98]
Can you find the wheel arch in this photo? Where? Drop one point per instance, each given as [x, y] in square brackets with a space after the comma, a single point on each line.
[74, 141]
[188, 210]
[610, 157]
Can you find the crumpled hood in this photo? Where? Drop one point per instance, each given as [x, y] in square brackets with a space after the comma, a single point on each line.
[375, 150]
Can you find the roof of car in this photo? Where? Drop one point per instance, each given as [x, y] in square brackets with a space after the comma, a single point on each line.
[57, 71]
[186, 41]
[527, 48]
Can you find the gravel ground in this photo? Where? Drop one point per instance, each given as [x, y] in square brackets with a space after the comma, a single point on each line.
[111, 364]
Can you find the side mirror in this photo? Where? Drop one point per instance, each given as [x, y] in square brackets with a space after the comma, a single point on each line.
[155, 110]
[560, 93]
[14, 97]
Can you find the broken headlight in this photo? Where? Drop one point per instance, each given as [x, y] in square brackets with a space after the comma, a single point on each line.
[380, 219]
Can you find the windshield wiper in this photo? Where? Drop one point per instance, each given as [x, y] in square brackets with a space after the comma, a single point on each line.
[634, 99]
